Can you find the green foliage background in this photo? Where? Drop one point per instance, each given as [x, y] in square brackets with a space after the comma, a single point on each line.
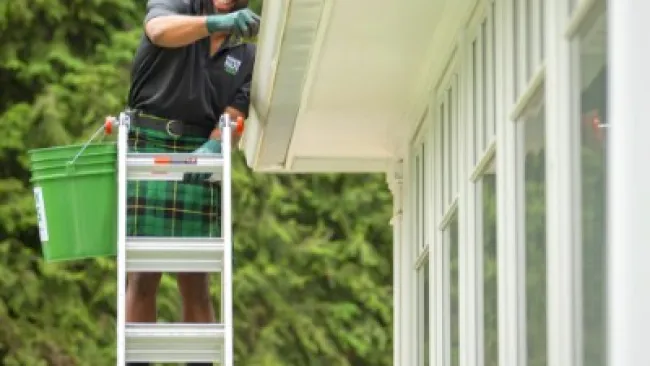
[313, 252]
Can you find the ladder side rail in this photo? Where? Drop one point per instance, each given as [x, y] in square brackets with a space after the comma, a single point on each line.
[122, 146]
[226, 219]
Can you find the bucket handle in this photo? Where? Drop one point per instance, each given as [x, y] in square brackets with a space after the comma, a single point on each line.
[94, 136]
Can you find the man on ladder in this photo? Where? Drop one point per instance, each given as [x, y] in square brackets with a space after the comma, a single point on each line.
[190, 68]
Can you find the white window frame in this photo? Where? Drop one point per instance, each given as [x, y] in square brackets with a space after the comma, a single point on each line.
[583, 12]
[446, 197]
[421, 204]
[536, 103]
[481, 62]
[524, 46]
[506, 141]
[520, 76]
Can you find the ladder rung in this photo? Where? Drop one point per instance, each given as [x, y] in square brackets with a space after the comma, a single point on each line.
[148, 175]
[146, 164]
[162, 254]
[175, 342]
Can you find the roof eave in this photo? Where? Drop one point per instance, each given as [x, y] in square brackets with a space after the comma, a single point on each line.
[284, 49]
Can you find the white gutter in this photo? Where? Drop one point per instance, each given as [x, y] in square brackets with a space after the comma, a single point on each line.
[284, 47]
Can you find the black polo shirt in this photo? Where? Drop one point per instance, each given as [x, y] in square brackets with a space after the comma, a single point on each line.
[186, 83]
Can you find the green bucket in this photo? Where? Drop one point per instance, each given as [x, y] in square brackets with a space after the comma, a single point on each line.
[75, 192]
[82, 160]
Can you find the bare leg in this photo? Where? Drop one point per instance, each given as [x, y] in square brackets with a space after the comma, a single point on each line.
[141, 292]
[197, 305]
[195, 291]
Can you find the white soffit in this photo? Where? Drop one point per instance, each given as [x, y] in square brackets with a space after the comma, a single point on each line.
[366, 71]
[345, 79]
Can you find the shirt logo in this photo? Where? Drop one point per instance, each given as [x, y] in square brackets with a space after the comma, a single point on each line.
[231, 65]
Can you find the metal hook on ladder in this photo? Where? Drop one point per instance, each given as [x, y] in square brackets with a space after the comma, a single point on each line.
[175, 342]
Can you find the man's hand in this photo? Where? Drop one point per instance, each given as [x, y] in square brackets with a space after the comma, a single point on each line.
[242, 22]
[212, 146]
[234, 114]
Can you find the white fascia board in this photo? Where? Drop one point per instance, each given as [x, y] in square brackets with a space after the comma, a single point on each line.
[283, 52]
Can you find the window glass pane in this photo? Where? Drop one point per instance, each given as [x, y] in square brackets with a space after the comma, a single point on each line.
[443, 156]
[454, 120]
[423, 314]
[542, 29]
[572, 6]
[452, 232]
[494, 69]
[421, 196]
[535, 222]
[450, 147]
[475, 96]
[418, 203]
[440, 162]
[490, 296]
[530, 61]
[593, 106]
[515, 49]
[484, 86]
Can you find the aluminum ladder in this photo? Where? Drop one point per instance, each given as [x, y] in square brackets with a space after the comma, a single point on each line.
[174, 342]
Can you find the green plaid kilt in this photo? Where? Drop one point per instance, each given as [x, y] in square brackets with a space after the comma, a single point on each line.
[171, 208]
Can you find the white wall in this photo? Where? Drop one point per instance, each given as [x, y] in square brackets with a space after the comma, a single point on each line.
[513, 107]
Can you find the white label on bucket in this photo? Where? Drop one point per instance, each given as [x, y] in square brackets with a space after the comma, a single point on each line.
[40, 214]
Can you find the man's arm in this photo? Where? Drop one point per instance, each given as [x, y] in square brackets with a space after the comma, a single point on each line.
[240, 104]
[242, 99]
[238, 107]
[167, 25]
[176, 30]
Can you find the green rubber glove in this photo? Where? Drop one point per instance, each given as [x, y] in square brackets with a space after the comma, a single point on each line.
[244, 23]
[210, 147]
